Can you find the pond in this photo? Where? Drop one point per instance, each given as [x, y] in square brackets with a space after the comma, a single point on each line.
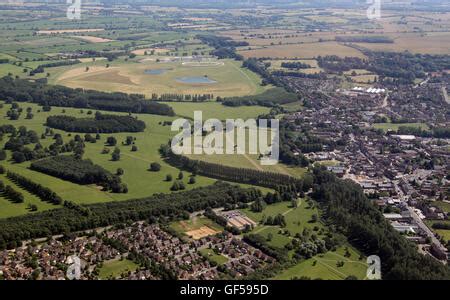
[195, 79]
[156, 71]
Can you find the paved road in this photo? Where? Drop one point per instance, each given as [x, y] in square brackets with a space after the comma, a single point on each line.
[424, 227]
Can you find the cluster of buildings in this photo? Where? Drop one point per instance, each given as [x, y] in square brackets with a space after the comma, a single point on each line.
[401, 173]
[237, 219]
[181, 257]
[49, 261]
[368, 90]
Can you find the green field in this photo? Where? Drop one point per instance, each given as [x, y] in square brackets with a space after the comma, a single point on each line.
[247, 160]
[217, 258]
[140, 181]
[114, 268]
[214, 110]
[394, 127]
[230, 79]
[324, 266]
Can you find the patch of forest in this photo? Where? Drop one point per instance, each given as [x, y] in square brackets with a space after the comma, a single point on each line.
[48, 95]
[270, 98]
[79, 171]
[102, 123]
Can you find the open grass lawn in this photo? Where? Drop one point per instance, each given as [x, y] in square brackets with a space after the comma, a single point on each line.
[114, 268]
[327, 163]
[364, 78]
[212, 256]
[247, 160]
[215, 110]
[6, 69]
[229, 79]
[297, 219]
[394, 127]
[324, 266]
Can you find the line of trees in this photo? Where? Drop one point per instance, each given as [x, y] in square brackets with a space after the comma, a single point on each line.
[44, 193]
[47, 95]
[240, 175]
[12, 194]
[183, 97]
[295, 65]
[79, 171]
[41, 68]
[102, 123]
[166, 207]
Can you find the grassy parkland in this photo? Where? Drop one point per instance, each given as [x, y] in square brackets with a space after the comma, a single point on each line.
[137, 176]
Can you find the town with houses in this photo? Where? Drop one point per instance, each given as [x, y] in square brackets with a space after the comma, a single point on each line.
[178, 258]
[404, 173]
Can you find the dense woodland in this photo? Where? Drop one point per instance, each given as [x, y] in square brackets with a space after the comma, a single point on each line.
[102, 123]
[79, 171]
[46, 95]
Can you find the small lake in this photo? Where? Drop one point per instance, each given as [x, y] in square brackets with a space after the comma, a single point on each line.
[195, 79]
[156, 71]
